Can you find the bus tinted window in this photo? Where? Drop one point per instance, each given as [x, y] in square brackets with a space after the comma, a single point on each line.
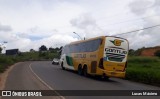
[93, 45]
[88, 46]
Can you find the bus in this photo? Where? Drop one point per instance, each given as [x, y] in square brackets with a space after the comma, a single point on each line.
[104, 56]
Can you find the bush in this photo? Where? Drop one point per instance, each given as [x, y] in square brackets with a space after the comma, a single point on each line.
[144, 69]
[1, 68]
[148, 76]
[5, 62]
[142, 59]
[157, 53]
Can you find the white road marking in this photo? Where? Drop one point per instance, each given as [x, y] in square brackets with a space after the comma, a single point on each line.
[45, 82]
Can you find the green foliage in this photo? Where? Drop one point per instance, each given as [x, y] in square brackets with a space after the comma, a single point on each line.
[54, 50]
[43, 48]
[137, 52]
[6, 61]
[157, 53]
[1, 68]
[1, 49]
[131, 52]
[43, 54]
[142, 59]
[32, 50]
[144, 69]
[149, 76]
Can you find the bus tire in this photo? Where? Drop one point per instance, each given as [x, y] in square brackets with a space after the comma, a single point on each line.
[80, 71]
[62, 66]
[105, 77]
[85, 69]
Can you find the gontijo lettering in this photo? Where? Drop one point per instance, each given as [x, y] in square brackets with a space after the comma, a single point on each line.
[117, 51]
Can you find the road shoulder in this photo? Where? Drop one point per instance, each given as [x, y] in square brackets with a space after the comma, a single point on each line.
[4, 75]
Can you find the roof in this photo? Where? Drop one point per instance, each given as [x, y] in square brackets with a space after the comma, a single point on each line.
[80, 41]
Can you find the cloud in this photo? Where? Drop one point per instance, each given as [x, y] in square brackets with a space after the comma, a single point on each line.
[83, 21]
[5, 28]
[52, 22]
[139, 7]
[147, 8]
[56, 40]
[23, 43]
[147, 37]
[87, 24]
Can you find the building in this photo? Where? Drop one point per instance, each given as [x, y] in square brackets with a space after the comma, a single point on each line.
[12, 52]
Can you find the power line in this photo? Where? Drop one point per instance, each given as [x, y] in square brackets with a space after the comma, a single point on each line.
[138, 30]
[136, 19]
[121, 22]
[116, 15]
[122, 13]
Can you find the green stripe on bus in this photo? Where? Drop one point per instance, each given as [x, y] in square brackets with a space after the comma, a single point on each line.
[69, 61]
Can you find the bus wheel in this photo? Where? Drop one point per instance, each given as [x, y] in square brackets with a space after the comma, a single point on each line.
[62, 66]
[85, 71]
[104, 77]
[80, 71]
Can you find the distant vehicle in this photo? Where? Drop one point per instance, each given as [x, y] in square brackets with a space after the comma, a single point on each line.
[55, 61]
[105, 56]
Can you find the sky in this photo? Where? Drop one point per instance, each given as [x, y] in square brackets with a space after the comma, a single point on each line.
[28, 24]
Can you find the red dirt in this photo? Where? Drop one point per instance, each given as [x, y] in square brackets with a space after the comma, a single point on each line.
[149, 51]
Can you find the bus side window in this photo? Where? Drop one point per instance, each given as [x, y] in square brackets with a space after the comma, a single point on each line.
[82, 47]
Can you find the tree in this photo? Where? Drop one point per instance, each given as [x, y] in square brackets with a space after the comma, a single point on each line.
[56, 48]
[139, 51]
[131, 52]
[61, 47]
[157, 53]
[51, 49]
[43, 48]
[32, 50]
[1, 49]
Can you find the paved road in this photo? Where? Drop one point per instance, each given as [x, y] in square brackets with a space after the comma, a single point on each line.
[23, 77]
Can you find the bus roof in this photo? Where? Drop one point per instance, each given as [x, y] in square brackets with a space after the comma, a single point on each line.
[76, 42]
[80, 41]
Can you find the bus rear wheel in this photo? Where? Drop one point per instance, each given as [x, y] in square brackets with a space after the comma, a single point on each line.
[105, 77]
[85, 71]
[80, 71]
[62, 66]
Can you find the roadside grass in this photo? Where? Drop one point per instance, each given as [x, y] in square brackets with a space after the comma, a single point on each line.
[6, 61]
[144, 69]
[140, 69]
